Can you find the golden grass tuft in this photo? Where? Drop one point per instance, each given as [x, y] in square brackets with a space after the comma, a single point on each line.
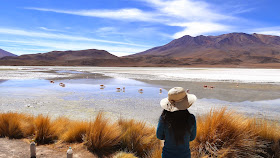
[27, 125]
[101, 136]
[75, 132]
[219, 134]
[44, 131]
[266, 129]
[124, 155]
[10, 125]
[226, 134]
[138, 138]
[59, 126]
[156, 153]
[268, 133]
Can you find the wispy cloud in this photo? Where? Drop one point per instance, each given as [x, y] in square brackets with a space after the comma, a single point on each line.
[242, 10]
[46, 45]
[130, 14]
[47, 29]
[143, 32]
[60, 36]
[200, 28]
[268, 30]
[187, 9]
[169, 13]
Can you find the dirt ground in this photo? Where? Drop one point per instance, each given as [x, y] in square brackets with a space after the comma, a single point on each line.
[14, 148]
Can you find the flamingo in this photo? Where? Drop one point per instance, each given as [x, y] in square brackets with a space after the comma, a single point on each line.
[140, 91]
[102, 86]
[62, 84]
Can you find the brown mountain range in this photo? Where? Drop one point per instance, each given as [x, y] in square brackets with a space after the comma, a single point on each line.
[227, 50]
[4, 53]
[70, 58]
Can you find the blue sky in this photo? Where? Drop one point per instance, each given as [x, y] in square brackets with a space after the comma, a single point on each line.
[124, 27]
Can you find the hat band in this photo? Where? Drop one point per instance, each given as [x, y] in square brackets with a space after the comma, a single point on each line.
[174, 101]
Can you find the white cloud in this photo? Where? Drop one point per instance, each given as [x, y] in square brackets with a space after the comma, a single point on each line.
[107, 29]
[131, 14]
[170, 12]
[62, 46]
[60, 36]
[187, 9]
[268, 31]
[47, 29]
[199, 28]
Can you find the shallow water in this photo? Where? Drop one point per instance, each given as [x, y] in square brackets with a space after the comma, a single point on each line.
[82, 97]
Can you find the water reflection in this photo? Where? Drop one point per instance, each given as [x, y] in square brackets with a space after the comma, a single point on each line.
[124, 93]
[2, 81]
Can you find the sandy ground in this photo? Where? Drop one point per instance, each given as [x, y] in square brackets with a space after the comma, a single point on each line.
[14, 148]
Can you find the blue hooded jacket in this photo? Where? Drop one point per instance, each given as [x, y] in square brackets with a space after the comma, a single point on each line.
[170, 149]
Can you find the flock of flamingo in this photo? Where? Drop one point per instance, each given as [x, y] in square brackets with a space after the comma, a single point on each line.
[141, 91]
[61, 84]
[211, 87]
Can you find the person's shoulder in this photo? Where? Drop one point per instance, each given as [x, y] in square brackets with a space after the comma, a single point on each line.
[192, 116]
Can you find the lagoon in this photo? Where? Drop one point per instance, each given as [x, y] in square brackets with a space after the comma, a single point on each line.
[252, 92]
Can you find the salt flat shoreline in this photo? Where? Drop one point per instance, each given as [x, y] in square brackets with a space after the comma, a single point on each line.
[242, 75]
[52, 102]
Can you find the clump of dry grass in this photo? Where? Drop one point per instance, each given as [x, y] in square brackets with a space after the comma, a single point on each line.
[75, 132]
[226, 134]
[102, 137]
[268, 133]
[219, 134]
[138, 138]
[156, 153]
[27, 125]
[60, 126]
[44, 131]
[124, 155]
[10, 125]
[267, 129]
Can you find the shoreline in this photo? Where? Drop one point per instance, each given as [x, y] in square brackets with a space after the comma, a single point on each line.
[82, 98]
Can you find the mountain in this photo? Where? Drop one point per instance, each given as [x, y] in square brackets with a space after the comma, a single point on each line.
[226, 49]
[4, 53]
[80, 57]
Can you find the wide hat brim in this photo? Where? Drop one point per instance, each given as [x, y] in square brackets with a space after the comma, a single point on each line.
[175, 106]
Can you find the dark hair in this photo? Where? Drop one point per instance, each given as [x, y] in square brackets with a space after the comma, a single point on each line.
[179, 123]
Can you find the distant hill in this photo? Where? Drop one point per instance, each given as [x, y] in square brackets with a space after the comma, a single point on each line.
[226, 49]
[81, 57]
[4, 53]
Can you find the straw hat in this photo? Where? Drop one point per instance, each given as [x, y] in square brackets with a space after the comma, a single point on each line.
[178, 99]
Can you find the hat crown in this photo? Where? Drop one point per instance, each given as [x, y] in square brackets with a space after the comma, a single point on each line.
[176, 94]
